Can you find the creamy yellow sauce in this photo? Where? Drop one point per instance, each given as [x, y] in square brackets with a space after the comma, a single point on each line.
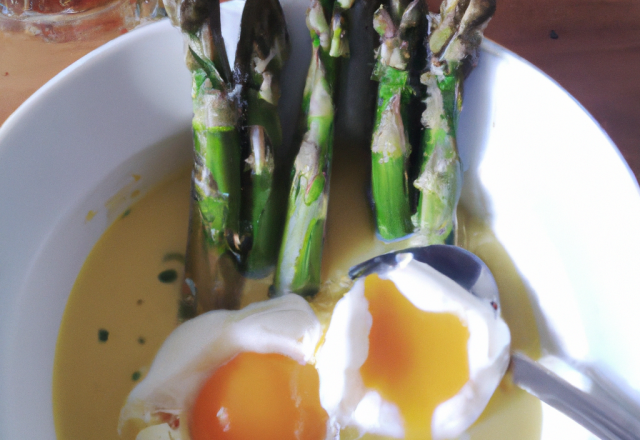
[119, 292]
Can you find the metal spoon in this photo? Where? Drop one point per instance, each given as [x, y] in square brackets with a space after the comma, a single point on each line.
[603, 417]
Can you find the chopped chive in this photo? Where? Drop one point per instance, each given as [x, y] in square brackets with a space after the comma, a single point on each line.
[173, 256]
[140, 302]
[168, 276]
[141, 340]
[136, 376]
[103, 335]
[126, 213]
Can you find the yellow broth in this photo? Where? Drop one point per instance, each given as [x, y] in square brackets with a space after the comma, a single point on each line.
[124, 303]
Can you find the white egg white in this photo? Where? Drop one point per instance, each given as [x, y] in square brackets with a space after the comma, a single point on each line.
[342, 391]
[189, 356]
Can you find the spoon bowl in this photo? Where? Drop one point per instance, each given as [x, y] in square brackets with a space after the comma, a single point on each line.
[462, 266]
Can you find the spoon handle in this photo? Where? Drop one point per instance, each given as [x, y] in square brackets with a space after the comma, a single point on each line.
[605, 419]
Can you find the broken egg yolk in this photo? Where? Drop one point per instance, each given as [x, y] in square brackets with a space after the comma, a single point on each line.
[260, 396]
[417, 359]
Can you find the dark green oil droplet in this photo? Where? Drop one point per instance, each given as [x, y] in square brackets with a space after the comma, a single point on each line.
[136, 376]
[168, 276]
[103, 335]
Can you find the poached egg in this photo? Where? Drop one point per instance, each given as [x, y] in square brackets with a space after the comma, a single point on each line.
[411, 354]
[233, 374]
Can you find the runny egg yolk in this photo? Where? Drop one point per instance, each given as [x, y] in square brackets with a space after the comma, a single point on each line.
[260, 396]
[417, 359]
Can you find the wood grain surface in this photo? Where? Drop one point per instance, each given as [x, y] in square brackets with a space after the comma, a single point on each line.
[594, 55]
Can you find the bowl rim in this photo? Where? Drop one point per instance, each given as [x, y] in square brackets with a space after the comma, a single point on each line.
[163, 26]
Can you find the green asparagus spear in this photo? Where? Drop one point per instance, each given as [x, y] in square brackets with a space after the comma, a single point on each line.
[211, 280]
[453, 44]
[390, 145]
[339, 26]
[262, 51]
[300, 255]
[299, 262]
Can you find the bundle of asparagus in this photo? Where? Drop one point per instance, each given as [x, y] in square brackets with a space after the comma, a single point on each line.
[234, 120]
[452, 40]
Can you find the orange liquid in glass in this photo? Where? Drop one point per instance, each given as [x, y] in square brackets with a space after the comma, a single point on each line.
[18, 7]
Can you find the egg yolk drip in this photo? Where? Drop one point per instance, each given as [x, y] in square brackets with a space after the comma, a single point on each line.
[260, 396]
[417, 359]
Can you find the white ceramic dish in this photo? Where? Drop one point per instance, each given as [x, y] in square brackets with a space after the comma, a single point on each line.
[555, 189]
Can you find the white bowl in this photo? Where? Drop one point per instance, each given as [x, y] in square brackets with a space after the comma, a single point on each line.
[555, 189]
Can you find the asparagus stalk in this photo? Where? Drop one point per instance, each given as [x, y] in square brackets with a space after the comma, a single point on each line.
[299, 261]
[339, 26]
[262, 50]
[453, 44]
[390, 146]
[211, 280]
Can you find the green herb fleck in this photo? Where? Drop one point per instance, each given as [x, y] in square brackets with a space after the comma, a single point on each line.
[103, 335]
[168, 276]
[126, 213]
[174, 256]
[140, 302]
[141, 340]
[136, 376]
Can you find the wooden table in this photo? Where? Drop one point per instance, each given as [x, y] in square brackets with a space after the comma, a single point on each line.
[595, 56]
[590, 47]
